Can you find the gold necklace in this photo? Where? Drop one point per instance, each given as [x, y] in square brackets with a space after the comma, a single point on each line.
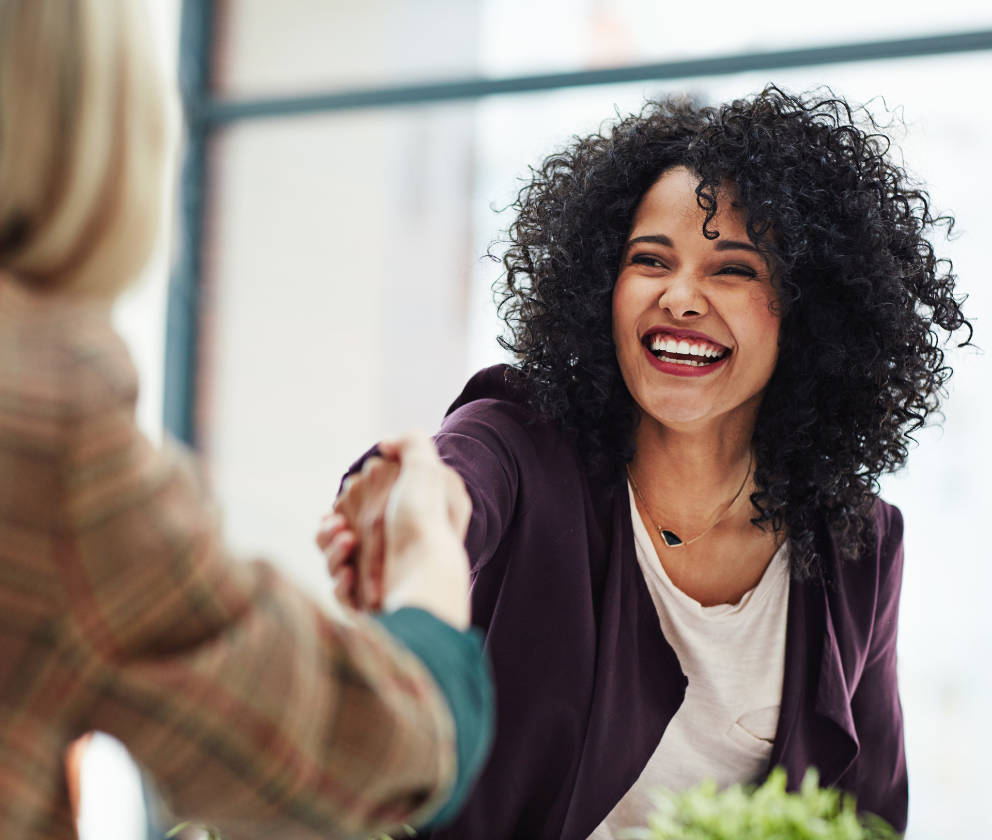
[668, 536]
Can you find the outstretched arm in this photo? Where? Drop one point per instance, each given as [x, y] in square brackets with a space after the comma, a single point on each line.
[253, 710]
[409, 514]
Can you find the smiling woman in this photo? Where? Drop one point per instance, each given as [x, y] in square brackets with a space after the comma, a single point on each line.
[726, 322]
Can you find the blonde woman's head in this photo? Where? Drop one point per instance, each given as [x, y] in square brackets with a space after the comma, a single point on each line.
[84, 137]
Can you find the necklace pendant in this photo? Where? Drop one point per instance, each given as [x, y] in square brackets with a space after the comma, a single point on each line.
[670, 537]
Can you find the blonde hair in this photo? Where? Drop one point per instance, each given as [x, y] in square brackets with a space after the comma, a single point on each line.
[84, 137]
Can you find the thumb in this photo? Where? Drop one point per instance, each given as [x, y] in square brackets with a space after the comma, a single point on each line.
[412, 448]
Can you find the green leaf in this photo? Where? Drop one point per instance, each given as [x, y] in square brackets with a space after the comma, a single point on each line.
[768, 812]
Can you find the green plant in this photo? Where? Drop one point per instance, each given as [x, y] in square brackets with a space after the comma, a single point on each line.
[768, 812]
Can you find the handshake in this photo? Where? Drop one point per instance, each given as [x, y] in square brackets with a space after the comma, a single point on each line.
[395, 537]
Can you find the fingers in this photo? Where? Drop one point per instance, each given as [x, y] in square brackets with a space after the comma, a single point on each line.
[360, 510]
[330, 526]
[360, 489]
[337, 542]
[338, 552]
[344, 586]
[414, 447]
[358, 485]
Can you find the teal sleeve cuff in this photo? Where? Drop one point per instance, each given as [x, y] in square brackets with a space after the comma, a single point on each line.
[460, 667]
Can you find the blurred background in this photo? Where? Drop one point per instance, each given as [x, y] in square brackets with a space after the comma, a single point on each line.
[322, 282]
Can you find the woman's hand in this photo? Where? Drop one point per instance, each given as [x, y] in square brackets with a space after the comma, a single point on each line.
[352, 536]
[395, 537]
[337, 542]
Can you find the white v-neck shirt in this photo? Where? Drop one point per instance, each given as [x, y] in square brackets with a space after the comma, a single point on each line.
[734, 658]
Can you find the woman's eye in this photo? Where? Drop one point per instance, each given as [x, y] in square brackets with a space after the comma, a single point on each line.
[739, 270]
[648, 260]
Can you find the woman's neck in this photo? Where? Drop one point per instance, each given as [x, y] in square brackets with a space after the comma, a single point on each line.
[689, 475]
[696, 485]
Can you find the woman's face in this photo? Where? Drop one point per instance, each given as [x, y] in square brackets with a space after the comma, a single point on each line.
[693, 325]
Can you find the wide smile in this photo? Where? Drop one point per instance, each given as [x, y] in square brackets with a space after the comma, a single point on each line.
[684, 355]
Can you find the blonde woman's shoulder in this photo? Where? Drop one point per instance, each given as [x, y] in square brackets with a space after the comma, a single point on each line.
[59, 353]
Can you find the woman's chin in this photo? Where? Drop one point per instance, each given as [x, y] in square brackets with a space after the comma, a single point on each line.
[692, 414]
[680, 417]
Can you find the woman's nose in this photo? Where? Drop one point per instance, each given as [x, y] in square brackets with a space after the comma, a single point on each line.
[682, 297]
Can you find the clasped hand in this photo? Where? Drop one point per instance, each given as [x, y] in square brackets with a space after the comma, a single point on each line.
[395, 535]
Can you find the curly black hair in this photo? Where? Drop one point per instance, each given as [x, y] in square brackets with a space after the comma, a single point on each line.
[863, 296]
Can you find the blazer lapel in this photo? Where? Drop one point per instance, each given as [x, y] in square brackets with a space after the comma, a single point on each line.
[833, 703]
[816, 728]
[639, 687]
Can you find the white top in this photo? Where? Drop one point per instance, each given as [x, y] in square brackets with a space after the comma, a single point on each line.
[734, 658]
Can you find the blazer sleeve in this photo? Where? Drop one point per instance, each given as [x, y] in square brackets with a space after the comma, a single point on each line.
[882, 782]
[479, 441]
[253, 710]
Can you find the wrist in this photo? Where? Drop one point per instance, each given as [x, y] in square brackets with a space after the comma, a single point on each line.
[434, 577]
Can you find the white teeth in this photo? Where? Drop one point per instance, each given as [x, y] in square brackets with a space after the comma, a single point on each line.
[663, 344]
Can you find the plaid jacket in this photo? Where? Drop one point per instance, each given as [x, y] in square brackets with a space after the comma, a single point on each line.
[119, 611]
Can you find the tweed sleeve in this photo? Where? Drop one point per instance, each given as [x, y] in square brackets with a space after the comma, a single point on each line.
[253, 710]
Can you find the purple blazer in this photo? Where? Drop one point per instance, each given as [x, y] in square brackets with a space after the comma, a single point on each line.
[586, 682]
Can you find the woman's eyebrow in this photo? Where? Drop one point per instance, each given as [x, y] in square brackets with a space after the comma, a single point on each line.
[720, 245]
[733, 245]
[656, 238]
